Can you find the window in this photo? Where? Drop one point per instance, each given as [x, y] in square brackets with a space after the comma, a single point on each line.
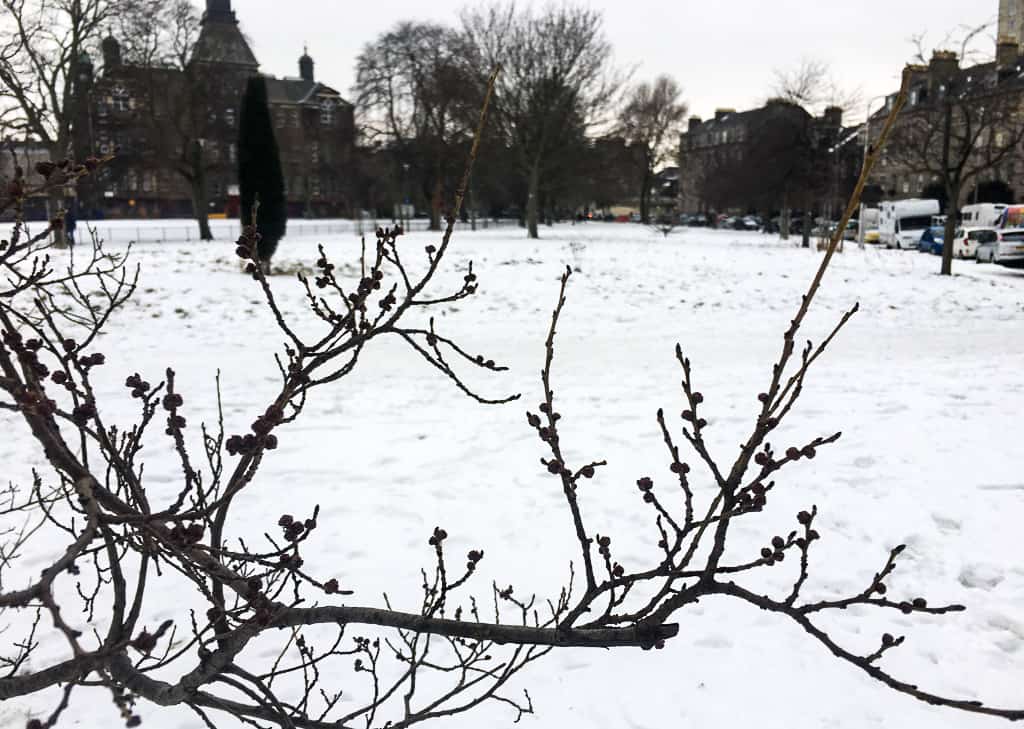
[229, 116]
[232, 152]
[279, 118]
[120, 100]
[314, 152]
[327, 112]
[149, 182]
[131, 181]
[294, 116]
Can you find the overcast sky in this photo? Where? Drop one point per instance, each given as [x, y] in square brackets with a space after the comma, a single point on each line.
[721, 51]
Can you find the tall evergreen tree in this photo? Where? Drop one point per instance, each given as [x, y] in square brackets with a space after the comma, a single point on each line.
[259, 169]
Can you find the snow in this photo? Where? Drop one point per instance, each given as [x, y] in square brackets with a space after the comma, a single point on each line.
[925, 384]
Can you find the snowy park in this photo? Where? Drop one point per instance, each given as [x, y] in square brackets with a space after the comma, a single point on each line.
[924, 383]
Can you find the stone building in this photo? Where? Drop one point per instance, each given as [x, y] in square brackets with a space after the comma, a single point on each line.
[773, 157]
[174, 129]
[997, 85]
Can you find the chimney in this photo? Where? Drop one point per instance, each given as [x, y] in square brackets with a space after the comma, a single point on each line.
[833, 116]
[722, 113]
[1007, 56]
[941, 70]
[695, 121]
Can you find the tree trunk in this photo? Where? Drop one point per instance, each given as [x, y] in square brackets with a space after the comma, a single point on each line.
[533, 202]
[784, 217]
[200, 208]
[55, 210]
[952, 194]
[806, 242]
[472, 209]
[645, 197]
[952, 205]
[435, 204]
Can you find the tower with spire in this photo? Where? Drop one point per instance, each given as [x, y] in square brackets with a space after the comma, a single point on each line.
[221, 41]
[305, 65]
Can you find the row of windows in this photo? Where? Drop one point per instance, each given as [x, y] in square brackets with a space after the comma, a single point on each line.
[290, 117]
[132, 182]
[120, 100]
[725, 136]
[315, 185]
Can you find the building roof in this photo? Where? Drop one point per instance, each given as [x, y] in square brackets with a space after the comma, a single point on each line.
[221, 41]
[297, 91]
[732, 118]
[980, 79]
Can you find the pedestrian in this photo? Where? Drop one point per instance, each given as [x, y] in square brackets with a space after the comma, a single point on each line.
[69, 226]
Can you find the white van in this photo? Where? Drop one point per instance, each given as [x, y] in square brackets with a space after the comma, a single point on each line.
[901, 222]
[981, 215]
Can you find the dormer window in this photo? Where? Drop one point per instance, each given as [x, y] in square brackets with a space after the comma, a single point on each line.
[327, 107]
[120, 100]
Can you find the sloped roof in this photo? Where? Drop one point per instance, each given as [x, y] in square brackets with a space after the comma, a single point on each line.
[752, 116]
[297, 91]
[221, 41]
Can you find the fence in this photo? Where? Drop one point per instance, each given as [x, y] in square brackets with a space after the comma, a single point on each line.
[179, 231]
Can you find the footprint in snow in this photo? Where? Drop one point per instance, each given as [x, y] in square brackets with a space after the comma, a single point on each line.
[980, 576]
[946, 523]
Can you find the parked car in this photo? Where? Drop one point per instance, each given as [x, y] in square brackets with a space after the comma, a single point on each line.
[985, 251]
[873, 237]
[966, 241]
[1011, 248]
[932, 240]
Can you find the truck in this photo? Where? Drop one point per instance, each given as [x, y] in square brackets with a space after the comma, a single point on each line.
[1012, 216]
[901, 222]
[981, 215]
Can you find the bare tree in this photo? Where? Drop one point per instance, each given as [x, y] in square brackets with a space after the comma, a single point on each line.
[44, 45]
[414, 91]
[556, 82]
[651, 119]
[174, 95]
[813, 85]
[962, 124]
[447, 657]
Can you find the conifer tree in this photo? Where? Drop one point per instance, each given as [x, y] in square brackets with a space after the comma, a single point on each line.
[259, 169]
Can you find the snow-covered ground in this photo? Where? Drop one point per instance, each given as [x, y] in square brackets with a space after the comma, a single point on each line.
[926, 384]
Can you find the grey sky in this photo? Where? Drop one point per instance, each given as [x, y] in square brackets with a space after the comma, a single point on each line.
[722, 52]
